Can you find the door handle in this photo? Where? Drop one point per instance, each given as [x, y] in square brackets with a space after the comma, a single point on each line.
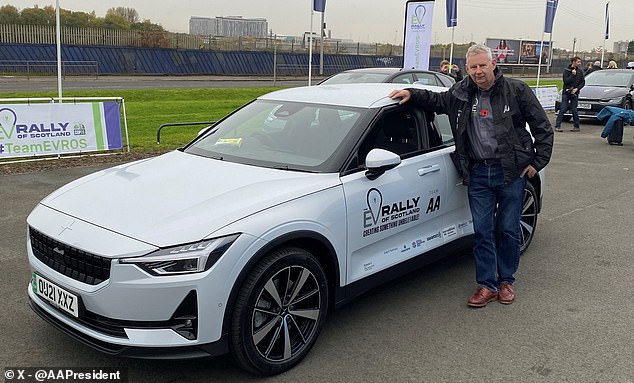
[428, 169]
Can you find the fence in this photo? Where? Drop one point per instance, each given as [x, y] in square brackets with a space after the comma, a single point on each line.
[45, 34]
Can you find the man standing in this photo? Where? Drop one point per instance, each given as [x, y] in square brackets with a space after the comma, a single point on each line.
[573, 82]
[494, 152]
[454, 72]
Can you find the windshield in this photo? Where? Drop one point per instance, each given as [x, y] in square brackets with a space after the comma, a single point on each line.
[288, 135]
[355, 78]
[607, 77]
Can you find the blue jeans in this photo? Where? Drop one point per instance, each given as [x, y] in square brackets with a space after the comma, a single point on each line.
[573, 100]
[496, 211]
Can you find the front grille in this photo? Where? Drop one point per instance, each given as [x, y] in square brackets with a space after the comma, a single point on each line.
[74, 263]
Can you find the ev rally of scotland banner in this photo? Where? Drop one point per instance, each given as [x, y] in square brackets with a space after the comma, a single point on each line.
[418, 18]
[53, 128]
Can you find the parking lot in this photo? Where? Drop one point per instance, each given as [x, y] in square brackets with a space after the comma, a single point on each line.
[573, 320]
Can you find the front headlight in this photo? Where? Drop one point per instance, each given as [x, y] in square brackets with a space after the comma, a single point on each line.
[615, 100]
[184, 259]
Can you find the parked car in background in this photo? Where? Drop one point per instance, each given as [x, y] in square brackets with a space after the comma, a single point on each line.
[607, 87]
[243, 240]
[393, 75]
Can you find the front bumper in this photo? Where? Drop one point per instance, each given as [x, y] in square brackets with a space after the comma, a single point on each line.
[183, 352]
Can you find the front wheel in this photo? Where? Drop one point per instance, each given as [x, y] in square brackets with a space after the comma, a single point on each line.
[528, 219]
[279, 311]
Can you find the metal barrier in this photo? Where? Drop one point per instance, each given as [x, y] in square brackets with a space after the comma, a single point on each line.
[158, 132]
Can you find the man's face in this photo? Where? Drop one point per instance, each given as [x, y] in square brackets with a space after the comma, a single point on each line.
[444, 68]
[577, 63]
[480, 69]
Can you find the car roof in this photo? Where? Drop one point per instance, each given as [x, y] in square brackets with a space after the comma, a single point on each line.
[382, 70]
[612, 71]
[370, 95]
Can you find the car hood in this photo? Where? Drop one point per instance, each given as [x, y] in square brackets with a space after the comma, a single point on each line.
[594, 92]
[178, 198]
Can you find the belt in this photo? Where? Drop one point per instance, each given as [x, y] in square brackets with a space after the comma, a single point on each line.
[488, 161]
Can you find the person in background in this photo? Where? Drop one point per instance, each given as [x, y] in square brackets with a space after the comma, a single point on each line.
[573, 82]
[494, 155]
[612, 65]
[595, 66]
[454, 72]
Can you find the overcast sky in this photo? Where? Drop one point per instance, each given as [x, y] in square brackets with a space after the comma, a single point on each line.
[382, 20]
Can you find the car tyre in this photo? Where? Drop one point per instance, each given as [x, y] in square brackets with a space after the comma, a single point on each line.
[528, 218]
[627, 104]
[279, 311]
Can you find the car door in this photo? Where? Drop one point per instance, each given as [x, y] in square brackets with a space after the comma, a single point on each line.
[399, 214]
[457, 220]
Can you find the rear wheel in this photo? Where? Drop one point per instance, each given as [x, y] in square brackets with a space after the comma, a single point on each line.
[528, 219]
[279, 312]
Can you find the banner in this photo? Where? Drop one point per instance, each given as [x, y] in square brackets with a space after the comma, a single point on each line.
[418, 18]
[452, 13]
[551, 9]
[319, 5]
[53, 128]
[607, 21]
[519, 51]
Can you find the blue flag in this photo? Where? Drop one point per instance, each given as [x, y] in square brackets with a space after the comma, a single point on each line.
[607, 21]
[551, 8]
[319, 5]
[452, 13]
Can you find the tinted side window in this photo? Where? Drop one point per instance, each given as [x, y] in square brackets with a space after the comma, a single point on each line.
[443, 126]
[404, 79]
[426, 79]
[395, 130]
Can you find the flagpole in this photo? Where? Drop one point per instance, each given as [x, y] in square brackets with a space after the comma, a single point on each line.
[453, 31]
[310, 46]
[321, 45]
[59, 52]
[539, 66]
[605, 36]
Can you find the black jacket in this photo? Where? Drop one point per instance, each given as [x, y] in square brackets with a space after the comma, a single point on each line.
[573, 80]
[514, 105]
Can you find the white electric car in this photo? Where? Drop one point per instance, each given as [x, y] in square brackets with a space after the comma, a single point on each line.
[243, 240]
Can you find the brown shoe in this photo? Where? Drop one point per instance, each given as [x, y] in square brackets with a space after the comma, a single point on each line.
[507, 294]
[482, 297]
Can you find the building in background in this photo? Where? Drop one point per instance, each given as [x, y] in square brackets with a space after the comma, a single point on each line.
[620, 47]
[230, 26]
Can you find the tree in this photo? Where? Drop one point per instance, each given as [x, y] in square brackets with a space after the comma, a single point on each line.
[9, 15]
[129, 14]
[77, 19]
[38, 16]
[114, 21]
[630, 47]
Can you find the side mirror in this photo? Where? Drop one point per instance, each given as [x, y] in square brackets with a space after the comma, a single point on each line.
[378, 161]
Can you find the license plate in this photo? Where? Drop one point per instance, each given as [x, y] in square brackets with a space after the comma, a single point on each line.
[584, 105]
[56, 295]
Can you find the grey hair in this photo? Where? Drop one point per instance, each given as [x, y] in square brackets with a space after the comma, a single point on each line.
[479, 48]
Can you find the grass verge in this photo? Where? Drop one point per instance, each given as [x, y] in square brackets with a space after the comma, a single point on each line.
[147, 109]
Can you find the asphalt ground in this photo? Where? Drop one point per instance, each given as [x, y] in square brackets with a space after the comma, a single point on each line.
[573, 320]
